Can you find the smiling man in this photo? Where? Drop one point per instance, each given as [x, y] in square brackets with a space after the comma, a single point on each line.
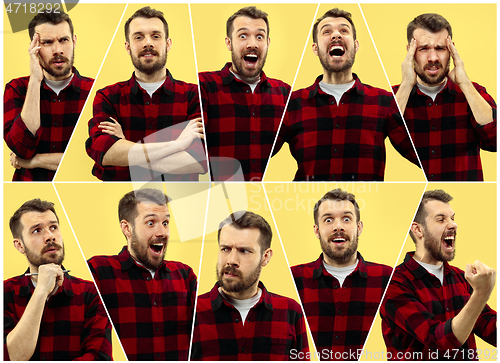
[449, 117]
[148, 127]
[242, 107]
[149, 300]
[239, 319]
[42, 110]
[432, 308]
[337, 127]
[340, 291]
[48, 314]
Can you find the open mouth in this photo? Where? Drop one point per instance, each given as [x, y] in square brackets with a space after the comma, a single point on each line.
[157, 248]
[448, 242]
[433, 68]
[251, 58]
[337, 51]
[338, 240]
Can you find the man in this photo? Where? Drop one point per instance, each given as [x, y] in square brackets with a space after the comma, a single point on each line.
[239, 319]
[148, 127]
[48, 314]
[336, 128]
[340, 291]
[449, 117]
[432, 310]
[242, 107]
[41, 110]
[149, 300]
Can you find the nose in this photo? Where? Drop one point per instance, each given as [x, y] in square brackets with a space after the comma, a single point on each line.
[233, 258]
[338, 226]
[433, 55]
[57, 49]
[452, 225]
[49, 236]
[252, 43]
[147, 42]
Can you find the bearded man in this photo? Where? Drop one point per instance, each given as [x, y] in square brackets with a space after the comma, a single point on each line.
[148, 127]
[337, 127]
[42, 110]
[242, 107]
[340, 291]
[48, 314]
[150, 300]
[432, 310]
[449, 117]
[239, 319]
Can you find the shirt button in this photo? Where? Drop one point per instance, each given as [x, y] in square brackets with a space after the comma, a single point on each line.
[429, 104]
[332, 102]
[432, 176]
[148, 278]
[333, 176]
[247, 91]
[157, 328]
[236, 320]
[253, 137]
[243, 350]
[44, 358]
[253, 113]
[54, 100]
[45, 332]
[336, 337]
[157, 355]
[334, 150]
[154, 303]
[447, 309]
[339, 312]
[253, 161]
[335, 286]
[55, 123]
[433, 151]
[433, 128]
[149, 127]
[147, 103]
[337, 126]
[53, 147]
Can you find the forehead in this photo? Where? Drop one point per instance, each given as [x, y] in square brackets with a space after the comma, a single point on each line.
[146, 25]
[53, 31]
[150, 209]
[424, 36]
[334, 22]
[244, 22]
[436, 207]
[30, 219]
[335, 207]
[232, 236]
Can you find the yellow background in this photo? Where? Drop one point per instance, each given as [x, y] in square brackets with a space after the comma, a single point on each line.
[474, 33]
[476, 216]
[77, 165]
[367, 66]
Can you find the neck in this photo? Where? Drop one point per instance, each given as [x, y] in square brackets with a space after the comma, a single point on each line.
[338, 77]
[351, 261]
[430, 85]
[52, 78]
[245, 294]
[243, 78]
[159, 76]
[422, 255]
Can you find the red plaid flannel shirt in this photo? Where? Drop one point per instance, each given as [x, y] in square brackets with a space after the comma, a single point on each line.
[340, 317]
[141, 116]
[152, 317]
[274, 329]
[346, 141]
[74, 324]
[417, 312]
[445, 134]
[240, 124]
[58, 117]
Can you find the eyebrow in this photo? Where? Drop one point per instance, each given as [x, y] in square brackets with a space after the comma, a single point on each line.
[341, 24]
[246, 29]
[40, 224]
[343, 213]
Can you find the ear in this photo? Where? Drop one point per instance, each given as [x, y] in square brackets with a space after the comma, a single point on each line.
[74, 40]
[169, 44]
[315, 48]
[18, 244]
[417, 230]
[268, 42]
[356, 45]
[126, 229]
[127, 47]
[266, 257]
[228, 43]
[316, 231]
[360, 227]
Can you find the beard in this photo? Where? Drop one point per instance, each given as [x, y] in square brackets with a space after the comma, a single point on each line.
[433, 246]
[243, 284]
[140, 250]
[240, 69]
[150, 67]
[340, 257]
[324, 58]
[438, 78]
[58, 71]
[42, 259]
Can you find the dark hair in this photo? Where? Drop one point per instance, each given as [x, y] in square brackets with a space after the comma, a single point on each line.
[439, 195]
[246, 219]
[333, 13]
[250, 12]
[337, 194]
[127, 207]
[430, 22]
[148, 13]
[49, 17]
[33, 205]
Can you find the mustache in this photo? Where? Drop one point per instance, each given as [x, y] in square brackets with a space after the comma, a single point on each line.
[51, 245]
[158, 240]
[232, 270]
[147, 51]
[340, 234]
[429, 65]
[59, 58]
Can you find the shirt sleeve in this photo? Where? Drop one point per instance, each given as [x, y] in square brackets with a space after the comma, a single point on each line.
[17, 136]
[99, 142]
[197, 147]
[301, 347]
[487, 133]
[9, 322]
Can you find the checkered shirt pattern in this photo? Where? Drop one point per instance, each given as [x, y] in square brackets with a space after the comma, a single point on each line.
[58, 117]
[417, 313]
[274, 329]
[74, 324]
[152, 317]
[240, 124]
[343, 141]
[340, 317]
[141, 116]
[446, 135]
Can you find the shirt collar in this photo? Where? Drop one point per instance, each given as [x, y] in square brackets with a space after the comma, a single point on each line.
[167, 86]
[127, 261]
[358, 86]
[319, 270]
[450, 87]
[228, 77]
[418, 270]
[217, 300]
[27, 287]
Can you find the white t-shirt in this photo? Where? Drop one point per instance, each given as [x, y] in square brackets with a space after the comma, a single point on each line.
[336, 90]
[252, 85]
[150, 88]
[243, 306]
[432, 91]
[58, 86]
[436, 270]
[340, 273]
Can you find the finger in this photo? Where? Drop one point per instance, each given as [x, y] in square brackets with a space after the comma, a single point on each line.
[413, 48]
[111, 118]
[106, 124]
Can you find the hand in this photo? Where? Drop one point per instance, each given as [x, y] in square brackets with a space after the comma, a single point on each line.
[409, 75]
[49, 276]
[481, 278]
[193, 130]
[19, 163]
[458, 74]
[112, 128]
[36, 71]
